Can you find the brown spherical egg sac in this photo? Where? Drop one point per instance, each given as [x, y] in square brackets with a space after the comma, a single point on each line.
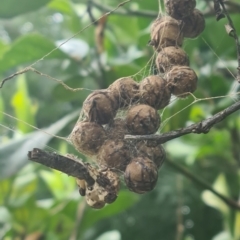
[182, 81]
[125, 90]
[117, 129]
[179, 9]
[100, 107]
[141, 175]
[142, 120]
[165, 31]
[154, 92]
[169, 57]
[193, 25]
[87, 137]
[114, 154]
[153, 150]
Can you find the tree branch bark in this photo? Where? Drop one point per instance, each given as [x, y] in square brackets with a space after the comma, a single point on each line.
[70, 166]
[201, 127]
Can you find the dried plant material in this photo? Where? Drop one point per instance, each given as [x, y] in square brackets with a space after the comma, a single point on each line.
[114, 154]
[169, 57]
[179, 9]
[193, 25]
[142, 119]
[99, 34]
[166, 31]
[141, 175]
[88, 137]
[154, 92]
[100, 107]
[181, 81]
[126, 91]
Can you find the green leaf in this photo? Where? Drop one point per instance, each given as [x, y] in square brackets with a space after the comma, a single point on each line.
[13, 155]
[110, 235]
[12, 8]
[22, 105]
[29, 48]
[125, 200]
[61, 185]
[237, 226]
[212, 200]
[3, 48]
[66, 7]
[1, 108]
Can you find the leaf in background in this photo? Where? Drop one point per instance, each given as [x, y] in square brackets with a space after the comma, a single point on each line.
[222, 236]
[23, 107]
[75, 48]
[61, 185]
[29, 48]
[3, 48]
[1, 108]
[110, 235]
[13, 155]
[212, 200]
[11, 8]
[125, 200]
[67, 7]
[237, 226]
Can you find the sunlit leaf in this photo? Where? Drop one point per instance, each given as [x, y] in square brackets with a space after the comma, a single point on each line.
[22, 105]
[13, 155]
[111, 235]
[212, 200]
[61, 185]
[125, 200]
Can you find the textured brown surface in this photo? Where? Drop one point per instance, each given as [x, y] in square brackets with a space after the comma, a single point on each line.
[166, 31]
[100, 107]
[114, 154]
[153, 150]
[142, 119]
[169, 57]
[125, 90]
[88, 137]
[141, 175]
[193, 25]
[117, 129]
[154, 92]
[179, 9]
[181, 81]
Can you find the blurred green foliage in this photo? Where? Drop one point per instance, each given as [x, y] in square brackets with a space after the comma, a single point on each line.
[38, 203]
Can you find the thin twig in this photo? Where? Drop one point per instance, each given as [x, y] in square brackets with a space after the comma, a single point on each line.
[126, 12]
[233, 34]
[231, 203]
[200, 127]
[234, 8]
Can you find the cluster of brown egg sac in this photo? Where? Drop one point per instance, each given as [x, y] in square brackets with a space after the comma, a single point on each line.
[100, 134]
[167, 36]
